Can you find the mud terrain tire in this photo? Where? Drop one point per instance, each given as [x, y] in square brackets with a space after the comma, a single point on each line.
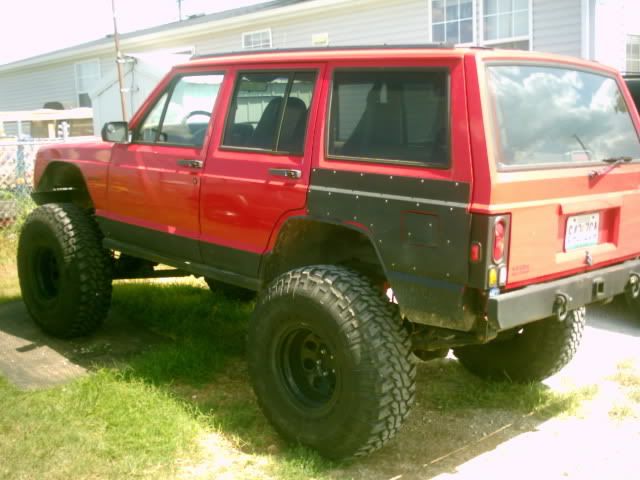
[528, 354]
[65, 274]
[329, 361]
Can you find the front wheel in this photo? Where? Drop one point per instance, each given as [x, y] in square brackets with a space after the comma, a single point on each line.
[527, 354]
[65, 274]
[329, 361]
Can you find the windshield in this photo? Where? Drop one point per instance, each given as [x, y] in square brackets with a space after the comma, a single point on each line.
[549, 115]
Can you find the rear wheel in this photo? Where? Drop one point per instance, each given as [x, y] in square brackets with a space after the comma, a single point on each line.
[65, 274]
[531, 353]
[329, 361]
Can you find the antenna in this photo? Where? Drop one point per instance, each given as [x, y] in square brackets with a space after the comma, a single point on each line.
[119, 61]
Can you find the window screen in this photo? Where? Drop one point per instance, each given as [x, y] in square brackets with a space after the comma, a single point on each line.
[397, 115]
[269, 111]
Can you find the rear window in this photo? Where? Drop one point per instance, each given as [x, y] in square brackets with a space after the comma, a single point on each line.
[392, 116]
[549, 116]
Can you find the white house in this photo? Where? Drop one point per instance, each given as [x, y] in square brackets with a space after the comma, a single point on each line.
[604, 30]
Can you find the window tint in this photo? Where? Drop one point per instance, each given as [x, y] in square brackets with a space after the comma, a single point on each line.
[294, 120]
[390, 115]
[270, 111]
[185, 118]
[554, 115]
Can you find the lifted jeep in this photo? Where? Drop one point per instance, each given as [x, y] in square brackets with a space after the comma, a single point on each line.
[382, 201]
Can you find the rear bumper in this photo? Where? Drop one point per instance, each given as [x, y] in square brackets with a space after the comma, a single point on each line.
[536, 302]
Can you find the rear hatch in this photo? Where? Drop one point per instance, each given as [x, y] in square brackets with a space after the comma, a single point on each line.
[564, 156]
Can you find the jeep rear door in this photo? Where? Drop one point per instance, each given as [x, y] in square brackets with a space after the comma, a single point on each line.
[394, 163]
[257, 170]
[562, 162]
[154, 181]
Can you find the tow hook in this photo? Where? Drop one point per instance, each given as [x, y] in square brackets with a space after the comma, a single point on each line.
[633, 287]
[560, 306]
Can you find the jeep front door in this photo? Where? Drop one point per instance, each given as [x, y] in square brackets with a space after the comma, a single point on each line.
[154, 181]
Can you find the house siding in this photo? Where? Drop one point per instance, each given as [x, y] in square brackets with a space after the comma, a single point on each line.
[377, 22]
[31, 89]
[557, 26]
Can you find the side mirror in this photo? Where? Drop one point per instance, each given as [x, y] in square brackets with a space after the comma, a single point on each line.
[117, 132]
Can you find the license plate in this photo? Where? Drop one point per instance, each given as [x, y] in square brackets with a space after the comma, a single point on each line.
[582, 231]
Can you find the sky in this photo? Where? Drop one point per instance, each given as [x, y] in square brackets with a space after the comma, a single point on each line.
[32, 27]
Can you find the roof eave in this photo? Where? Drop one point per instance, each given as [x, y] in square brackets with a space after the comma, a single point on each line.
[180, 31]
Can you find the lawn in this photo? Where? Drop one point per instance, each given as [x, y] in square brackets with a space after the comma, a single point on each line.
[182, 407]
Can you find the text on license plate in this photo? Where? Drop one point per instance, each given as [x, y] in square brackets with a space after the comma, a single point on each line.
[582, 231]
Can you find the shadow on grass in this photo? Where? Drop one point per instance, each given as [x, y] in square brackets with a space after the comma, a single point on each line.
[186, 340]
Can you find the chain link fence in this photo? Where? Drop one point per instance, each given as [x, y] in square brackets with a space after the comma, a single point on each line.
[16, 177]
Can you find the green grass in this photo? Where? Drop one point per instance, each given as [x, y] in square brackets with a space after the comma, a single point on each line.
[628, 377]
[100, 426]
[186, 399]
[207, 329]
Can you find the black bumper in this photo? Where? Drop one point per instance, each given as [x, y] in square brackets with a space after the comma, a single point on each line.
[536, 302]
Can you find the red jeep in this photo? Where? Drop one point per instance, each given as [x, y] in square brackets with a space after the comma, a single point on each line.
[382, 201]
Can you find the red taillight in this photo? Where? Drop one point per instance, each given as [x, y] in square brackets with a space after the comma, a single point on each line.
[475, 253]
[499, 233]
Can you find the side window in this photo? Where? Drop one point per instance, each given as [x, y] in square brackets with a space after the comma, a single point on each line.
[184, 118]
[269, 111]
[148, 131]
[390, 115]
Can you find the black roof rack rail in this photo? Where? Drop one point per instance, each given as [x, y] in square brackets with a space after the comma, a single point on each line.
[415, 46]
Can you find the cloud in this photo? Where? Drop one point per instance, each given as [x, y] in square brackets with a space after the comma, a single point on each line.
[541, 111]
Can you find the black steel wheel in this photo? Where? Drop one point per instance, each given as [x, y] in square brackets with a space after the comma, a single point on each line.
[330, 362]
[308, 367]
[65, 274]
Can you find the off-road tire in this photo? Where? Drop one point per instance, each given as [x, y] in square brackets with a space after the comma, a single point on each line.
[530, 354]
[364, 343]
[232, 292]
[65, 274]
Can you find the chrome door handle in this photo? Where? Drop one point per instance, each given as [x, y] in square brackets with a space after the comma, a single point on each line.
[190, 163]
[285, 172]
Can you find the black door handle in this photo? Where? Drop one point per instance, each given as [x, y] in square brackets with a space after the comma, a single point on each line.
[190, 163]
[285, 172]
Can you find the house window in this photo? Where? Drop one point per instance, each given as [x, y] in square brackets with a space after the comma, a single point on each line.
[633, 53]
[452, 21]
[87, 75]
[258, 40]
[506, 22]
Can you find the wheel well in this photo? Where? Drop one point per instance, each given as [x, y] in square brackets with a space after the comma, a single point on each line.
[62, 182]
[306, 242]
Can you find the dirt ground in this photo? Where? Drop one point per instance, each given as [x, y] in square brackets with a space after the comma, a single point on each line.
[450, 444]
